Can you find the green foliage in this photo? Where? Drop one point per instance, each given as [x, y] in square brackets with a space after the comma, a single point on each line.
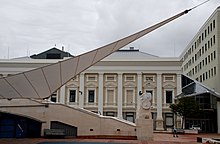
[186, 107]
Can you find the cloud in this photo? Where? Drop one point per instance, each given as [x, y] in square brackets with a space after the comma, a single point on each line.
[82, 25]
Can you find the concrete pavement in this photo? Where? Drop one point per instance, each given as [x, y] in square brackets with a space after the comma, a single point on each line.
[159, 138]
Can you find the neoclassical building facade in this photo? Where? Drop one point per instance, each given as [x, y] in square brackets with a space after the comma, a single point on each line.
[112, 86]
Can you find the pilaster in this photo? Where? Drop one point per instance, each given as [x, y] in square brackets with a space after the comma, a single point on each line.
[62, 94]
[139, 88]
[120, 96]
[178, 84]
[218, 116]
[159, 119]
[100, 96]
[81, 90]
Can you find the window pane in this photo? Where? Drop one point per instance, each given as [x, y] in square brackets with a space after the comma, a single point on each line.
[91, 95]
[72, 97]
[169, 121]
[169, 95]
[130, 94]
[110, 96]
[130, 117]
[53, 97]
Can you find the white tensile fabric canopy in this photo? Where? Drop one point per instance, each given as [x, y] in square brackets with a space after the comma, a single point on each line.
[40, 83]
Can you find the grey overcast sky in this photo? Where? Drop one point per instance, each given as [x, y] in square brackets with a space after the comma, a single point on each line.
[32, 26]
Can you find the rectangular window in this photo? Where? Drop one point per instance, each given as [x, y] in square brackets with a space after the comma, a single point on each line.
[203, 50]
[199, 52]
[209, 58]
[53, 97]
[209, 73]
[130, 116]
[129, 78]
[206, 75]
[72, 96]
[91, 96]
[110, 78]
[168, 78]
[169, 120]
[213, 24]
[200, 65]
[129, 96]
[169, 96]
[214, 70]
[208, 44]
[214, 39]
[91, 77]
[214, 55]
[149, 78]
[110, 96]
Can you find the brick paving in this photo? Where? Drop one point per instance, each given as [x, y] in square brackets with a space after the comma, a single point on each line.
[159, 138]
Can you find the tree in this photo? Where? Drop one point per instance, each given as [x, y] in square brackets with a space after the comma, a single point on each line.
[185, 107]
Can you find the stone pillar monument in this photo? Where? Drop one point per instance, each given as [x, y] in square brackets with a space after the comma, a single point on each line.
[144, 122]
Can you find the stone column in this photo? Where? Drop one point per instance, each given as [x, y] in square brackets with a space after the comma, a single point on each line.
[120, 88]
[218, 116]
[62, 95]
[178, 122]
[45, 125]
[179, 84]
[159, 119]
[81, 89]
[139, 88]
[100, 97]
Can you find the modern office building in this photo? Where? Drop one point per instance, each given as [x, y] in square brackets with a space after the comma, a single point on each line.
[201, 57]
[201, 62]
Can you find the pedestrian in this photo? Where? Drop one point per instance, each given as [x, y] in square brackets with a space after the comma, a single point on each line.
[175, 132]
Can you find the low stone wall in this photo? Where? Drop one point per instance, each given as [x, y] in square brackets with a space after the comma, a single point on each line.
[87, 123]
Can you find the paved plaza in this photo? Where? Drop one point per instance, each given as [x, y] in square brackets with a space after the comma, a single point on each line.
[159, 138]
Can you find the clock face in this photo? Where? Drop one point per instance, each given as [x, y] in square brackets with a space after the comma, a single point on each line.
[146, 105]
